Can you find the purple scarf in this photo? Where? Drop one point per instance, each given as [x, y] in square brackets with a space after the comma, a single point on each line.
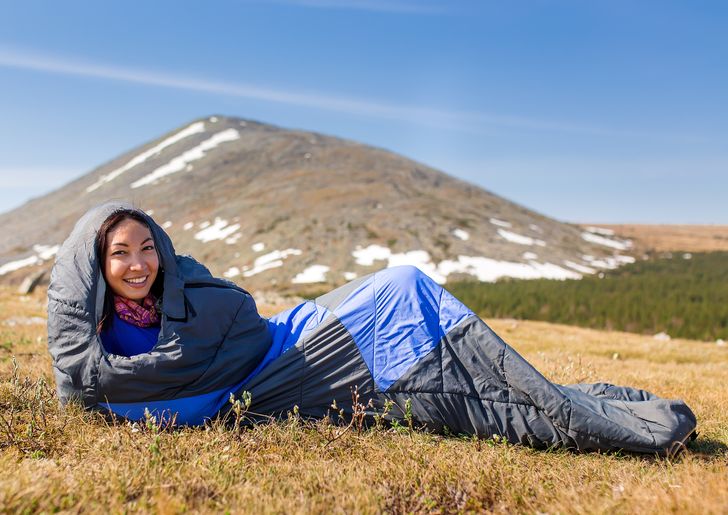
[144, 315]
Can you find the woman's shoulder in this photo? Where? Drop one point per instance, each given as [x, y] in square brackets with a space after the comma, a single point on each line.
[195, 275]
[190, 269]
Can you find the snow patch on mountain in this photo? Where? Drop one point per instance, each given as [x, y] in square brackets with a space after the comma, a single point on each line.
[490, 270]
[600, 230]
[500, 223]
[461, 234]
[580, 268]
[605, 241]
[195, 128]
[219, 230]
[45, 252]
[312, 274]
[608, 262]
[18, 264]
[271, 260]
[519, 239]
[231, 272]
[42, 253]
[232, 240]
[485, 269]
[367, 256]
[180, 162]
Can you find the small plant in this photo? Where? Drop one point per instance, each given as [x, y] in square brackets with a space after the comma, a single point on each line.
[379, 418]
[294, 416]
[155, 424]
[339, 411]
[408, 414]
[239, 409]
[496, 441]
[152, 425]
[358, 410]
[358, 418]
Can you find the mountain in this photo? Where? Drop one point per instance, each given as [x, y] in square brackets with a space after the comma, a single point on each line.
[275, 208]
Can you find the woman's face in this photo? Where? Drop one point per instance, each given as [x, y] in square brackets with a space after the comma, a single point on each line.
[131, 262]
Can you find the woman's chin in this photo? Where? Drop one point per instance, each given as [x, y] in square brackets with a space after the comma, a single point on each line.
[135, 294]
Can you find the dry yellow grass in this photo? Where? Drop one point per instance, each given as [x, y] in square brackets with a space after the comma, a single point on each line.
[671, 238]
[76, 461]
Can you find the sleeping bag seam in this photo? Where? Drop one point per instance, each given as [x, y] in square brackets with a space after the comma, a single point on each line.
[301, 374]
[441, 342]
[468, 395]
[374, 335]
[644, 424]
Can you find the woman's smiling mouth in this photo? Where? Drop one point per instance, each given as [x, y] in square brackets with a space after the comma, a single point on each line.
[136, 281]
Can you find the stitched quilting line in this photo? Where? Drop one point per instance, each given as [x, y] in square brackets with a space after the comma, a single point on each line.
[442, 341]
[374, 331]
[644, 423]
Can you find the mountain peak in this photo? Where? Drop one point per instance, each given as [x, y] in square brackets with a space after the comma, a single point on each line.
[272, 207]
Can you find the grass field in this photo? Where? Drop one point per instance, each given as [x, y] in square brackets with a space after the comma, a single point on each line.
[55, 460]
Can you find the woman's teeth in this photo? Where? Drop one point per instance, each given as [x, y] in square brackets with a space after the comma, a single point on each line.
[136, 280]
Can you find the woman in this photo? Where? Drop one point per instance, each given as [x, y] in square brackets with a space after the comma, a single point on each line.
[134, 327]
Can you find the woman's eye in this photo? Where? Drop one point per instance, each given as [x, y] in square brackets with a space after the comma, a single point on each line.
[149, 247]
[118, 253]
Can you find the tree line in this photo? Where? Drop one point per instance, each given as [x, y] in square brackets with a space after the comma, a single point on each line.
[683, 295]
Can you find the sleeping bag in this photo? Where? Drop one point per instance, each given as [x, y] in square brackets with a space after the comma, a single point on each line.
[395, 335]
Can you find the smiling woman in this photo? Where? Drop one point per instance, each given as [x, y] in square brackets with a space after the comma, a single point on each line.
[130, 319]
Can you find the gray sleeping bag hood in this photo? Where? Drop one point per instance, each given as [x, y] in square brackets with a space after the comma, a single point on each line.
[211, 335]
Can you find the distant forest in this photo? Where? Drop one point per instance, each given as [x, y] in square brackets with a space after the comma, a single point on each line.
[685, 298]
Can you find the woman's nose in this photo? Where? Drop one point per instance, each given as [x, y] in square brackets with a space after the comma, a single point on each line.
[137, 263]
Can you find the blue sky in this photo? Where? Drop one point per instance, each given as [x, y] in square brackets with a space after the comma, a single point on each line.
[599, 111]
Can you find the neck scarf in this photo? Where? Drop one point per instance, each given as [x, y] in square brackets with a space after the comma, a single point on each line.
[140, 315]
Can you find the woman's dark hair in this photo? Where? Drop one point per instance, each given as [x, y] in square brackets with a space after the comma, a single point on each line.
[102, 245]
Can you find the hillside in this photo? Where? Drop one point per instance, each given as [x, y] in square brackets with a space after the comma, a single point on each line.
[72, 461]
[282, 209]
[672, 238]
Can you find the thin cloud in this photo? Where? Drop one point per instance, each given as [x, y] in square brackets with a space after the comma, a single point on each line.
[383, 6]
[451, 120]
[24, 177]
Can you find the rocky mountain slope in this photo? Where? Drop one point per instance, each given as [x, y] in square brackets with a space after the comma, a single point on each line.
[275, 208]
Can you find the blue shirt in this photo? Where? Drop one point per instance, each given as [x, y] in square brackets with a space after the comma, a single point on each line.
[126, 339]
